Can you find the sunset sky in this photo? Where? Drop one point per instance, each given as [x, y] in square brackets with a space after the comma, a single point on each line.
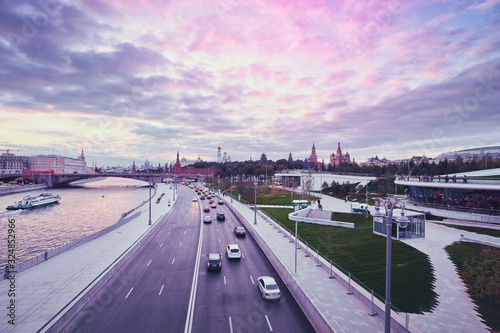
[131, 79]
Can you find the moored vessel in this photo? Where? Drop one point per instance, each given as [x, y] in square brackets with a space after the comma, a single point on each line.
[35, 202]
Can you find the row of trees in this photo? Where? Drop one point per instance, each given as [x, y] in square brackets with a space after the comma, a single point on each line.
[250, 169]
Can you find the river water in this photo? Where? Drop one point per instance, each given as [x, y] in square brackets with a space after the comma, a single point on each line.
[82, 210]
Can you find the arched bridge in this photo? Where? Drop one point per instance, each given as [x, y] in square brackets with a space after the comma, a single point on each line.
[54, 180]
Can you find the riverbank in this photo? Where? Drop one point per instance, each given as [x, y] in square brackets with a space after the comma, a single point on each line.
[12, 189]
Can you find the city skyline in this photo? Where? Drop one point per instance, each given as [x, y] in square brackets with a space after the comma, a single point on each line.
[392, 79]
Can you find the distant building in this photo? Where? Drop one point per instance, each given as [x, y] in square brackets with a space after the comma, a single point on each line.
[58, 164]
[470, 154]
[377, 161]
[290, 159]
[313, 158]
[338, 158]
[12, 164]
[263, 159]
[134, 169]
[177, 166]
[219, 156]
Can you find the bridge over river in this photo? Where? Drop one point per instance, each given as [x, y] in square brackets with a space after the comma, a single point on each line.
[54, 180]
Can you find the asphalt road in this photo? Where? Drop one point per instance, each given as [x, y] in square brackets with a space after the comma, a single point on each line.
[153, 291]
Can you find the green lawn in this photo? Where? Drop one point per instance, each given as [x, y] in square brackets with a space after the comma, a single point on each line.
[488, 306]
[362, 253]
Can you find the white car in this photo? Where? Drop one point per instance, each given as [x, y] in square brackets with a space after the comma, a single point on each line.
[195, 199]
[268, 288]
[233, 251]
[207, 219]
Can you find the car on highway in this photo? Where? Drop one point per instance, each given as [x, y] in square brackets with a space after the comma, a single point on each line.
[268, 288]
[214, 205]
[240, 231]
[221, 216]
[221, 202]
[198, 193]
[206, 209]
[195, 199]
[211, 201]
[207, 219]
[209, 196]
[214, 261]
[233, 251]
[202, 197]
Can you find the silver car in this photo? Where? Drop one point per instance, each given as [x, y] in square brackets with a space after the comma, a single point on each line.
[268, 288]
[233, 251]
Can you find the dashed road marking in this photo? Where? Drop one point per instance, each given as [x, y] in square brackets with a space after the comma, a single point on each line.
[268, 323]
[173, 261]
[129, 292]
[149, 262]
[161, 289]
[251, 278]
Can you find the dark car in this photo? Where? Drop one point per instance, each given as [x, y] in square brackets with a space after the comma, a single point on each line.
[206, 209]
[214, 261]
[221, 216]
[221, 202]
[240, 231]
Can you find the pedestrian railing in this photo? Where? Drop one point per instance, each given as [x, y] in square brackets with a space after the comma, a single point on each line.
[328, 265]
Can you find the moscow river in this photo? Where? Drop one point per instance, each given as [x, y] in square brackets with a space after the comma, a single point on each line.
[82, 210]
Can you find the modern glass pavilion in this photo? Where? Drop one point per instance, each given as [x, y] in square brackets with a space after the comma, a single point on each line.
[480, 197]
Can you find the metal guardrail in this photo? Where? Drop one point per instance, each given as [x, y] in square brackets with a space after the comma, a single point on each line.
[310, 251]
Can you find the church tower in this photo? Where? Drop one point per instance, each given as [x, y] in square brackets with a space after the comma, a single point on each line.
[177, 167]
[313, 158]
[219, 157]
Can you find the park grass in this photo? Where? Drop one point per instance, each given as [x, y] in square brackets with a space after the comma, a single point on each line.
[482, 231]
[362, 253]
[276, 197]
[459, 253]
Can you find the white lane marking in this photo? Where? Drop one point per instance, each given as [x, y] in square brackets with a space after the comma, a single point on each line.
[161, 244]
[188, 223]
[173, 261]
[149, 262]
[180, 243]
[185, 232]
[217, 229]
[219, 240]
[168, 234]
[251, 278]
[192, 298]
[242, 255]
[268, 323]
[161, 289]
[129, 292]
[224, 279]
[230, 325]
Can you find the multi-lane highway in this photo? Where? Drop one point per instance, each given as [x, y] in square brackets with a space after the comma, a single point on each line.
[165, 286]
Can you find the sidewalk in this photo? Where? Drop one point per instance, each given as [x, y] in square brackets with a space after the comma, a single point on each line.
[41, 292]
[455, 311]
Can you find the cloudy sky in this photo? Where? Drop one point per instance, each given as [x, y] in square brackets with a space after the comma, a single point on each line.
[134, 79]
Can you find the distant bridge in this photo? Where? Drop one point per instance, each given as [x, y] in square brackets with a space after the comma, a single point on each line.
[61, 179]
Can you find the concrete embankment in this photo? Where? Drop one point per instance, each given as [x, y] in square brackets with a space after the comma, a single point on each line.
[12, 189]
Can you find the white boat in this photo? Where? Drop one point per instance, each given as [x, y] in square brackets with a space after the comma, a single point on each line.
[35, 202]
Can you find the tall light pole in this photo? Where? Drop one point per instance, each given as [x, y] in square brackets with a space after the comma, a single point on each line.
[255, 203]
[403, 221]
[150, 181]
[231, 189]
[296, 246]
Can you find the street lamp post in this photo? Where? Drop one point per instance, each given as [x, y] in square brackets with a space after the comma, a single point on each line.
[150, 181]
[403, 221]
[231, 189]
[255, 203]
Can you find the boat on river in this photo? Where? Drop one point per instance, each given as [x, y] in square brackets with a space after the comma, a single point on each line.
[35, 202]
